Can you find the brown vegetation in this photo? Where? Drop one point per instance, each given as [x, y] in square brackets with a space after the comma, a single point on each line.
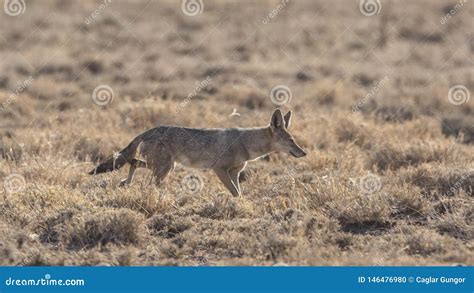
[388, 179]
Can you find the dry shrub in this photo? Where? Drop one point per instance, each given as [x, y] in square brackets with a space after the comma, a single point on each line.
[50, 231]
[454, 216]
[278, 246]
[459, 224]
[261, 239]
[223, 208]
[45, 88]
[62, 71]
[424, 242]
[126, 258]
[291, 222]
[7, 255]
[146, 115]
[441, 181]
[9, 148]
[142, 199]
[94, 66]
[461, 128]
[16, 108]
[169, 226]
[121, 226]
[320, 226]
[363, 213]
[395, 113]
[420, 36]
[330, 93]
[280, 185]
[348, 131]
[11, 241]
[246, 96]
[86, 149]
[408, 202]
[392, 156]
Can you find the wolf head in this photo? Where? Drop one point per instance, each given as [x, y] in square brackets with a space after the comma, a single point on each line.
[282, 140]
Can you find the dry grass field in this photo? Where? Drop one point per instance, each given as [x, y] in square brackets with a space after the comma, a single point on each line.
[381, 102]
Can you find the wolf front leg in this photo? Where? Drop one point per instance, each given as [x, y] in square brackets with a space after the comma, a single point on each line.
[134, 164]
[224, 176]
[234, 176]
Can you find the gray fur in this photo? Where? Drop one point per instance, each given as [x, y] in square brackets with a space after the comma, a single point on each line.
[224, 150]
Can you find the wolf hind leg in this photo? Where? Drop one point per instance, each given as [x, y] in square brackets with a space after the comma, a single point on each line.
[160, 171]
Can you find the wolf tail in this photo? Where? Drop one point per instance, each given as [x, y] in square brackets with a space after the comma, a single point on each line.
[117, 161]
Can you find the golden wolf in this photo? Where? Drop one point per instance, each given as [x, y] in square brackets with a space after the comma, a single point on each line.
[226, 150]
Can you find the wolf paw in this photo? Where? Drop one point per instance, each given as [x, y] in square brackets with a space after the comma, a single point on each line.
[123, 183]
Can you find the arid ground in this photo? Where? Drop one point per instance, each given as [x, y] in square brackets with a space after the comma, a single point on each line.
[382, 102]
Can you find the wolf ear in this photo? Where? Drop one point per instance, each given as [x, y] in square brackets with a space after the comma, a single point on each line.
[277, 119]
[287, 119]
